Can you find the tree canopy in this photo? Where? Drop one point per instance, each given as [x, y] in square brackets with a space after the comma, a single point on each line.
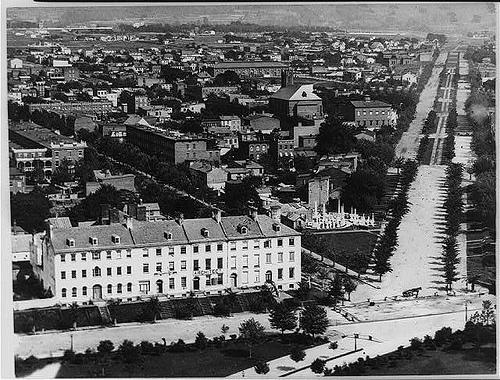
[335, 137]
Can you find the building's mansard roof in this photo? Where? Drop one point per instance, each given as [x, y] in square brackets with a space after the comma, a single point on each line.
[166, 232]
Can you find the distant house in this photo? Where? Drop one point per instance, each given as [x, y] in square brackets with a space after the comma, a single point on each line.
[17, 181]
[115, 131]
[205, 174]
[296, 100]
[261, 123]
[104, 177]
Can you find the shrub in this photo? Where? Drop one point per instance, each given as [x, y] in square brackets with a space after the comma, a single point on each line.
[179, 346]
[105, 347]
[261, 368]
[159, 349]
[201, 341]
[147, 348]
[233, 336]
[429, 342]
[31, 360]
[328, 372]
[318, 365]
[333, 345]
[416, 344]
[129, 352]
[297, 354]
[69, 355]
[456, 343]
[442, 336]
[78, 359]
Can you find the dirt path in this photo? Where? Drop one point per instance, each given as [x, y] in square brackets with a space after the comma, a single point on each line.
[408, 145]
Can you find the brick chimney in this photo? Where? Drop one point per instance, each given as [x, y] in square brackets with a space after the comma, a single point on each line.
[252, 211]
[180, 219]
[114, 215]
[276, 213]
[141, 213]
[216, 215]
[105, 213]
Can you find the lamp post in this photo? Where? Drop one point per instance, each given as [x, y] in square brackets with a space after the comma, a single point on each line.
[71, 335]
[356, 336]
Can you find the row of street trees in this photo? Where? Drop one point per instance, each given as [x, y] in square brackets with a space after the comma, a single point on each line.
[398, 208]
[453, 205]
[449, 142]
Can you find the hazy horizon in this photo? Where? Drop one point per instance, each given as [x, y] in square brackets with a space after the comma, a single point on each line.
[423, 17]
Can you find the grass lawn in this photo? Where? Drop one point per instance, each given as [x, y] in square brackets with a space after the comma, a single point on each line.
[345, 245]
[437, 363]
[211, 362]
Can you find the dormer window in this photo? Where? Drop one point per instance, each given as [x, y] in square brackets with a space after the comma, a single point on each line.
[115, 239]
[204, 232]
[168, 235]
[304, 94]
[276, 227]
[242, 229]
[70, 242]
[93, 240]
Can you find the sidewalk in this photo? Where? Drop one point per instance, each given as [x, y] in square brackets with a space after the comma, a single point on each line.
[53, 344]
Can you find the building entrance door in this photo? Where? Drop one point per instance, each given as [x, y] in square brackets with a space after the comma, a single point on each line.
[97, 292]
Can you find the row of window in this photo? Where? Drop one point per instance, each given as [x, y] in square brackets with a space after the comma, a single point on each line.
[258, 148]
[371, 112]
[96, 272]
[96, 255]
[210, 280]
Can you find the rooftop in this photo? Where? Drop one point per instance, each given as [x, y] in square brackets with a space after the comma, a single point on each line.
[42, 136]
[248, 64]
[144, 233]
[370, 104]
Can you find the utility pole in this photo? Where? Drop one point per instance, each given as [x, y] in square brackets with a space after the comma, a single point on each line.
[71, 335]
[356, 336]
[466, 302]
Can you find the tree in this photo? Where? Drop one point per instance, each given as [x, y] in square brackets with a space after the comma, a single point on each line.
[30, 210]
[317, 366]
[224, 329]
[227, 78]
[282, 318]
[314, 320]
[154, 307]
[261, 368]
[335, 291]
[486, 317]
[105, 347]
[363, 190]
[334, 137]
[129, 352]
[297, 354]
[201, 341]
[37, 175]
[252, 332]
[63, 172]
[398, 163]
[73, 308]
[349, 286]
